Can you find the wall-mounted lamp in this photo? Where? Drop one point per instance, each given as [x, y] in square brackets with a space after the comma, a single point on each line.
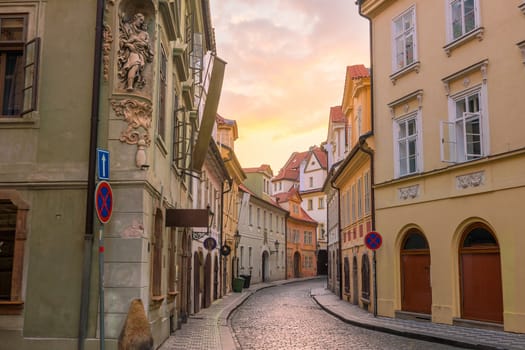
[276, 243]
[199, 235]
[237, 238]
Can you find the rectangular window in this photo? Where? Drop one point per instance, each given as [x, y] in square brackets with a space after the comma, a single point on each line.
[310, 204]
[406, 145]
[242, 257]
[250, 215]
[18, 67]
[367, 193]
[271, 222]
[360, 198]
[462, 137]
[259, 217]
[353, 200]
[321, 203]
[463, 15]
[404, 40]
[311, 181]
[249, 256]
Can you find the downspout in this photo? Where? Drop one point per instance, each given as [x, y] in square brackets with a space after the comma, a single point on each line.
[340, 247]
[367, 150]
[90, 195]
[372, 207]
[223, 267]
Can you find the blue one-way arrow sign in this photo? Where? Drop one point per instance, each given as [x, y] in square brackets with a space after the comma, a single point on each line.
[103, 164]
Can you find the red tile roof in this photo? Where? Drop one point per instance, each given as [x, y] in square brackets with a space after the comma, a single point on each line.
[262, 168]
[337, 115]
[357, 71]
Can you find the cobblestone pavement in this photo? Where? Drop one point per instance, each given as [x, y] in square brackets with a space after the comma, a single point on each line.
[286, 317]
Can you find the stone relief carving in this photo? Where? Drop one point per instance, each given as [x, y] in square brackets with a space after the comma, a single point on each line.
[106, 49]
[134, 52]
[470, 180]
[408, 192]
[138, 115]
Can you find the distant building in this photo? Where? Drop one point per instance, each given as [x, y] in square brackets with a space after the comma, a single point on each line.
[262, 229]
[301, 243]
[352, 179]
[307, 171]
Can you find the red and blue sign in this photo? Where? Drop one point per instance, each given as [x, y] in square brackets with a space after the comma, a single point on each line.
[373, 240]
[104, 201]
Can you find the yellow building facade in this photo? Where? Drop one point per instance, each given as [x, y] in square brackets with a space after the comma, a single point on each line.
[449, 165]
[353, 181]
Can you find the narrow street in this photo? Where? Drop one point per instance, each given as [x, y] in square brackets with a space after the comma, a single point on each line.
[286, 317]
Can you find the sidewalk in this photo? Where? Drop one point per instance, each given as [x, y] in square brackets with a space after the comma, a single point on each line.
[209, 329]
[471, 338]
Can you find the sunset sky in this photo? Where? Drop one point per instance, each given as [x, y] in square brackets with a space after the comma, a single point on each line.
[286, 68]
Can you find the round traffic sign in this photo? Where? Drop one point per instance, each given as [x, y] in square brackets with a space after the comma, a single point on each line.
[104, 201]
[210, 243]
[373, 240]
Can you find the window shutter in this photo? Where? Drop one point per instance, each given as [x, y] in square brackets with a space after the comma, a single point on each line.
[448, 141]
[32, 55]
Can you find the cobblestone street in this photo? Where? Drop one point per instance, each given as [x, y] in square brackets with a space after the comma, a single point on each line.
[286, 317]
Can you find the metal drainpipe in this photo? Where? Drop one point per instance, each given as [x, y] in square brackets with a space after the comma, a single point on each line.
[368, 151]
[223, 267]
[90, 195]
[372, 209]
[339, 254]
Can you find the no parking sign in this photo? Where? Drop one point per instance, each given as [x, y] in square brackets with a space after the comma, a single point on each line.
[373, 240]
[104, 201]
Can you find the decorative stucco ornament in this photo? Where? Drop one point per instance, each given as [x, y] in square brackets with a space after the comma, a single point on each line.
[106, 49]
[138, 116]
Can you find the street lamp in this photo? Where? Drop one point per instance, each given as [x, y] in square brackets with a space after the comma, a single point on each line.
[199, 235]
[276, 243]
[237, 238]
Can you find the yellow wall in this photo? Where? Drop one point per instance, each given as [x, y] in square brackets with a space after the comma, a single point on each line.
[438, 206]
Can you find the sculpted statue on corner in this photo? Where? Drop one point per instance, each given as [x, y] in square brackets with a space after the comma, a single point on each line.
[134, 52]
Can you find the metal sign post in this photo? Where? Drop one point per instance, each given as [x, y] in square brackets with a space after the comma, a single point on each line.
[104, 209]
[373, 241]
[101, 283]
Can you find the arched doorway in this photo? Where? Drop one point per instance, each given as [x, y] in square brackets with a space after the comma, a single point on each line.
[185, 276]
[196, 282]
[216, 278]
[416, 291]
[207, 281]
[265, 267]
[297, 265]
[365, 280]
[480, 276]
[355, 295]
[346, 274]
[322, 262]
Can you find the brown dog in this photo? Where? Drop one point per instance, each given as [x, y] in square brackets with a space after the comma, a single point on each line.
[136, 334]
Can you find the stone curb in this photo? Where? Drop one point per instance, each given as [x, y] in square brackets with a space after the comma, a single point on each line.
[407, 334]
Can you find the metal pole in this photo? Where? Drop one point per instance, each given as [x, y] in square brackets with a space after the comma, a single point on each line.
[375, 285]
[101, 283]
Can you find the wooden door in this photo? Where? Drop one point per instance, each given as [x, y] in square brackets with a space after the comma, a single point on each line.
[416, 289]
[481, 287]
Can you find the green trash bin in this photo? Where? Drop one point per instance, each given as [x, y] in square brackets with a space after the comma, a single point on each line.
[237, 284]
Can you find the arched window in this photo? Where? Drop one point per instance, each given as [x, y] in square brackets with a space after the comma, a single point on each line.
[347, 275]
[365, 277]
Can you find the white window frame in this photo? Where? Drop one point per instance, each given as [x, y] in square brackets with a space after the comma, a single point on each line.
[453, 132]
[416, 116]
[403, 35]
[450, 24]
